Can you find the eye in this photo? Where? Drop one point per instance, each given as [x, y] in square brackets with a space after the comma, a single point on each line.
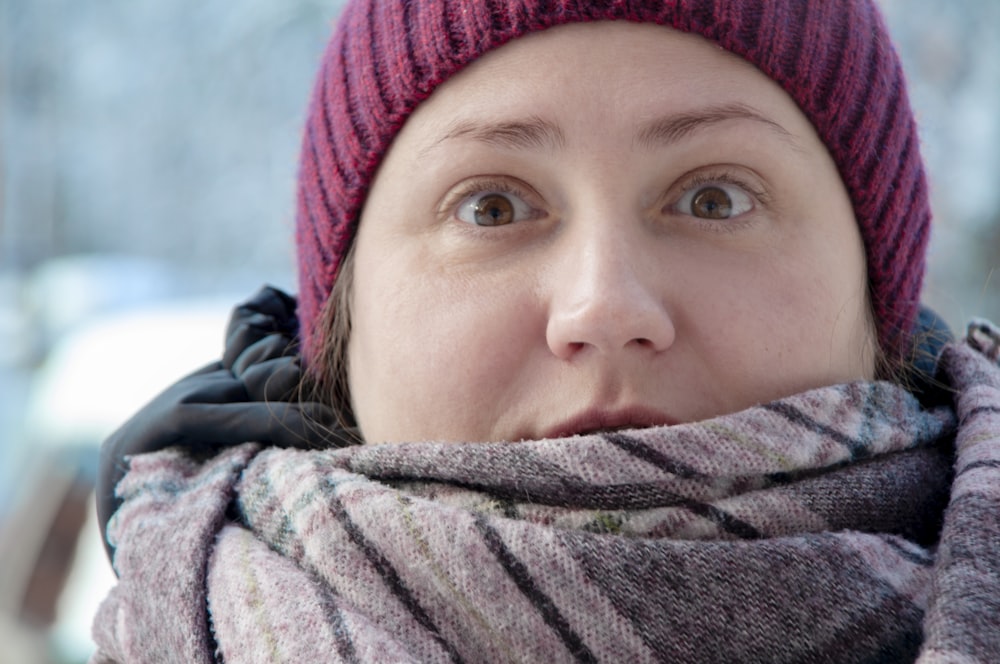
[493, 208]
[716, 200]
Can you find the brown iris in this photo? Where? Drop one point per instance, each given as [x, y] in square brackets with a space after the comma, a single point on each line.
[712, 203]
[493, 210]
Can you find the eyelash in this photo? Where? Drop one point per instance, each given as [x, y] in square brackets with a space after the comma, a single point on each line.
[707, 178]
[451, 204]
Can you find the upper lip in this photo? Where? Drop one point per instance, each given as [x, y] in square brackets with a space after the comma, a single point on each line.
[596, 419]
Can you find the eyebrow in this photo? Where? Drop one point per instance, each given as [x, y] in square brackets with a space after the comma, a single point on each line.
[536, 133]
[532, 133]
[675, 127]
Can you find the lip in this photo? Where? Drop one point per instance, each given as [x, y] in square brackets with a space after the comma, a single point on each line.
[597, 420]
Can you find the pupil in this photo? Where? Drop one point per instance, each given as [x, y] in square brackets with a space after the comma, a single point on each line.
[712, 203]
[494, 210]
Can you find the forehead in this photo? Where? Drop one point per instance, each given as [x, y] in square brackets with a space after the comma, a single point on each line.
[612, 72]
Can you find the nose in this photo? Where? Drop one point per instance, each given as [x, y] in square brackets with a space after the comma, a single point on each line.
[608, 296]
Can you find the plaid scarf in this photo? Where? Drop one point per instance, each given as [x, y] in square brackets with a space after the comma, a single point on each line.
[843, 524]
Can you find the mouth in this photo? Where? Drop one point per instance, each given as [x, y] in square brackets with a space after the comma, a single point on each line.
[604, 421]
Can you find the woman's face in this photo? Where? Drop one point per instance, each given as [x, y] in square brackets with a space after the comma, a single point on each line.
[601, 226]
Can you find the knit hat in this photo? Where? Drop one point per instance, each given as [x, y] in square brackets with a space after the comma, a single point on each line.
[833, 57]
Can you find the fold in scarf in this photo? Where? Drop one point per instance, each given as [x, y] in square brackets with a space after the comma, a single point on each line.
[844, 524]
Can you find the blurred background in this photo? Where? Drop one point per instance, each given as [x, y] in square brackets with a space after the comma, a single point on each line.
[147, 164]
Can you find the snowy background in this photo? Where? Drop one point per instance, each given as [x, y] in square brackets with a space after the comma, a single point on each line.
[147, 164]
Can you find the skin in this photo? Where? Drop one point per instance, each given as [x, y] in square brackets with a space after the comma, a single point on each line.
[615, 298]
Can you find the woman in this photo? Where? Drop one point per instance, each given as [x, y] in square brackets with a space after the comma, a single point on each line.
[664, 294]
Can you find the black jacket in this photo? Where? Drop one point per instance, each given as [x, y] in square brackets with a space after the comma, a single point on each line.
[251, 394]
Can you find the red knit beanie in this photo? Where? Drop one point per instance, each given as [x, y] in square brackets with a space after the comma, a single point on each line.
[833, 57]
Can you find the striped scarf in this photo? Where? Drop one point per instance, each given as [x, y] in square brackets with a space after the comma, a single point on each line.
[844, 524]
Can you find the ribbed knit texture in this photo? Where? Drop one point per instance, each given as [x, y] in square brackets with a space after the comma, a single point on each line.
[833, 57]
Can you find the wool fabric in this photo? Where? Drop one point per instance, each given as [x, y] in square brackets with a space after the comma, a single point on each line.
[843, 524]
[833, 57]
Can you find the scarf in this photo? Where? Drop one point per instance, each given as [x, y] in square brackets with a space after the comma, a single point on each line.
[843, 524]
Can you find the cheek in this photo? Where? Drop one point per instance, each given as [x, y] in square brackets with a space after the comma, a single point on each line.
[433, 356]
[775, 325]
